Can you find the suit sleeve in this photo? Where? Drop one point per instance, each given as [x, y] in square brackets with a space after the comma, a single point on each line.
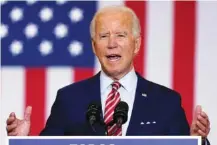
[178, 124]
[55, 122]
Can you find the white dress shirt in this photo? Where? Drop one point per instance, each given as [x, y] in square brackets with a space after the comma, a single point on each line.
[127, 92]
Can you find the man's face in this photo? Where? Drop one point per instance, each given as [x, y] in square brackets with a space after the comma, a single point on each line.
[114, 43]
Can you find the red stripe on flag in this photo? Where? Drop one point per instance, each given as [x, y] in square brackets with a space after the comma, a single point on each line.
[139, 7]
[35, 97]
[82, 73]
[184, 53]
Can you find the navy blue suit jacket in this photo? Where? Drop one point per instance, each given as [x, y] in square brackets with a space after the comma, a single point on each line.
[160, 113]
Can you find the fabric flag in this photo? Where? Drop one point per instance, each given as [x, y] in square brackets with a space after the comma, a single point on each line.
[46, 45]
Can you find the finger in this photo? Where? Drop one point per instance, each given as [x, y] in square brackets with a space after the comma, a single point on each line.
[12, 114]
[10, 128]
[197, 111]
[12, 134]
[204, 114]
[10, 120]
[194, 126]
[207, 130]
[194, 130]
[203, 134]
[27, 113]
[203, 120]
[12, 117]
[201, 126]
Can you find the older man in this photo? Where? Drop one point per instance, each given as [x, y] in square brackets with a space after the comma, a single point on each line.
[115, 33]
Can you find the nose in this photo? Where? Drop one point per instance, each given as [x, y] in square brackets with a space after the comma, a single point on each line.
[112, 43]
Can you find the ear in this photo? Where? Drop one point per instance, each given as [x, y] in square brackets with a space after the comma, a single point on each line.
[93, 45]
[137, 44]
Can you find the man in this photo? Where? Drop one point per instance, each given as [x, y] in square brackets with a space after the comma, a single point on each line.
[153, 109]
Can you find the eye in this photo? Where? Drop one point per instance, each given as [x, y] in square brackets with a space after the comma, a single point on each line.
[121, 35]
[103, 36]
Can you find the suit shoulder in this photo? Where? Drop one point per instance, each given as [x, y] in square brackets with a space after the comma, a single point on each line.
[80, 85]
[162, 88]
[164, 95]
[159, 91]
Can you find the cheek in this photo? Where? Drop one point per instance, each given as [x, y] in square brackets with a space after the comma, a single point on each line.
[128, 50]
[126, 44]
[99, 49]
[122, 43]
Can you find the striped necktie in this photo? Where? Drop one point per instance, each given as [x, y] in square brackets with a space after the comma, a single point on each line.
[111, 102]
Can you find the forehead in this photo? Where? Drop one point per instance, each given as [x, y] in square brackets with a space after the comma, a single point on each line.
[113, 19]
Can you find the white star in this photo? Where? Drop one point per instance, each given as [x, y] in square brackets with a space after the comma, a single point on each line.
[76, 14]
[16, 14]
[46, 47]
[46, 14]
[75, 48]
[4, 30]
[30, 2]
[61, 2]
[3, 2]
[31, 30]
[16, 47]
[61, 30]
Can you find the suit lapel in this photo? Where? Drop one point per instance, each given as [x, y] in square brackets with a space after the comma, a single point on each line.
[94, 96]
[94, 88]
[93, 91]
[140, 106]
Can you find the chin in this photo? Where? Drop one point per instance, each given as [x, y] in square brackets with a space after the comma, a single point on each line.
[115, 74]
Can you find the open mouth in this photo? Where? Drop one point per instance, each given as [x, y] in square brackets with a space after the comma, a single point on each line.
[113, 57]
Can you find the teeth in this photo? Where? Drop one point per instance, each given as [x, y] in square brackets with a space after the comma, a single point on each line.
[113, 58]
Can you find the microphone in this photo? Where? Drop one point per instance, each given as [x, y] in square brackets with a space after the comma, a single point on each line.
[93, 114]
[120, 115]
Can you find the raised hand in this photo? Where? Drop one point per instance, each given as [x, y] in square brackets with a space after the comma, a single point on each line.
[200, 124]
[18, 127]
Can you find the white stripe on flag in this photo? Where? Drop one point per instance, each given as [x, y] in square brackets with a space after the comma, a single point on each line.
[159, 42]
[13, 93]
[100, 5]
[206, 59]
[57, 77]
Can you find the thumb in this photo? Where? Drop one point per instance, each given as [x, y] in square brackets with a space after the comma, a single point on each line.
[197, 111]
[28, 113]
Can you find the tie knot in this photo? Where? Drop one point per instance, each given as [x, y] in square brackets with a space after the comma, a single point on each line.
[116, 85]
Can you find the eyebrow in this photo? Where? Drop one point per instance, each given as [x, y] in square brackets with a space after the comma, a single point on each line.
[124, 32]
[119, 32]
[103, 33]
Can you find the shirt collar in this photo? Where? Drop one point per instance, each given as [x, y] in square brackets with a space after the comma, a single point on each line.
[127, 81]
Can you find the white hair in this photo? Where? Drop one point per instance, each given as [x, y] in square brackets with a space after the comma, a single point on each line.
[136, 29]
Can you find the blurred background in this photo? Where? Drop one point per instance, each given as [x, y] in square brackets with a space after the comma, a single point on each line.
[46, 45]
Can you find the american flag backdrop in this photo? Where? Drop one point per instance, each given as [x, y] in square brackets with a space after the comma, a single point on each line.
[46, 45]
